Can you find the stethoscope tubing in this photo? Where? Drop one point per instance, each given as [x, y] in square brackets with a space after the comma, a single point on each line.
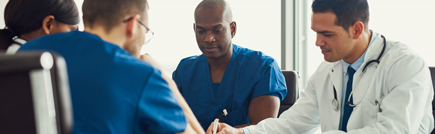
[335, 101]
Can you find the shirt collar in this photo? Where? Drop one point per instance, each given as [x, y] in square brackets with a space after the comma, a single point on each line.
[357, 64]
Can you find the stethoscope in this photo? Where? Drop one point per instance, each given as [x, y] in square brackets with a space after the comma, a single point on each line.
[335, 104]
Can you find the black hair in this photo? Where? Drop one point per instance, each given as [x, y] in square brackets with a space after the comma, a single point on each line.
[109, 13]
[347, 11]
[24, 16]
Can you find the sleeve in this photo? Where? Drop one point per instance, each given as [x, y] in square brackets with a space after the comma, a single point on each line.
[175, 77]
[407, 104]
[158, 108]
[302, 117]
[272, 82]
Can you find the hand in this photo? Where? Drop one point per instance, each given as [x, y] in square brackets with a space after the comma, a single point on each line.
[147, 58]
[224, 128]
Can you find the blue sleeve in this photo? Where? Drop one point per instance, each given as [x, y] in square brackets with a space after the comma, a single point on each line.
[177, 80]
[272, 82]
[158, 108]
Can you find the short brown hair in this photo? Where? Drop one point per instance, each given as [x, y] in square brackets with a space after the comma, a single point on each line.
[110, 13]
[347, 11]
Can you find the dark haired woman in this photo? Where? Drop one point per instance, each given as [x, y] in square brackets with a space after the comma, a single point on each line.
[29, 19]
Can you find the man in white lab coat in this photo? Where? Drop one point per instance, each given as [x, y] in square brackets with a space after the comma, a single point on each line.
[367, 84]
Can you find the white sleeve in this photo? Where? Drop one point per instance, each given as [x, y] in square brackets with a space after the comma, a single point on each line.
[302, 117]
[407, 104]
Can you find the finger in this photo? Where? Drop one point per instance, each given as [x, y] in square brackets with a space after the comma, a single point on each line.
[219, 127]
[142, 57]
[210, 129]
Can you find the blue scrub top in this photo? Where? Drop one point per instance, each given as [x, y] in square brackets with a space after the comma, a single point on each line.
[111, 90]
[249, 74]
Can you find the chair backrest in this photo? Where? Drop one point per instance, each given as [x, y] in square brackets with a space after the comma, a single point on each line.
[34, 94]
[291, 80]
[432, 74]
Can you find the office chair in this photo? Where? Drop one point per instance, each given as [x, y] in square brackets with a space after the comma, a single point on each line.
[291, 80]
[34, 94]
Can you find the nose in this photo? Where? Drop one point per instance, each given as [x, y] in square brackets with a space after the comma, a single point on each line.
[209, 37]
[319, 41]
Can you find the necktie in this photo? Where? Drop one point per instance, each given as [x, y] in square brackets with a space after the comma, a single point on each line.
[347, 108]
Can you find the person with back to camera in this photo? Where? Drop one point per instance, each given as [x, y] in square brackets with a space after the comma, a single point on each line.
[367, 84]
[29, 19]
[112, 90]
[234, 84]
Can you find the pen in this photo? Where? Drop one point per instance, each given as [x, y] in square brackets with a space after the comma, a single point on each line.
[215, 124]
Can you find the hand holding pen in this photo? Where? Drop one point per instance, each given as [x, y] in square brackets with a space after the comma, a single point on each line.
[223, 128]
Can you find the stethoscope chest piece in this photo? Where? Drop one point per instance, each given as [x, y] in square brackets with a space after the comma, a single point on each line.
[335, 104]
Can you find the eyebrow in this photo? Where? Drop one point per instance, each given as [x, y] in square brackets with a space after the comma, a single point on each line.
[325, 32]
[217, 25]
[213, 26]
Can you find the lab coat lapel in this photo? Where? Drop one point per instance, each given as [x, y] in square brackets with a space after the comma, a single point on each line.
[363, 80]
[336, 76]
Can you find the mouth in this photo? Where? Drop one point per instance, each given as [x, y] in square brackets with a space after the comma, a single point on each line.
[325, 51]
[210, 49]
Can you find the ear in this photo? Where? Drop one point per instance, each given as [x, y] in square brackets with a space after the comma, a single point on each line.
[132, 26]
[194, 27]
[233, 27]
[48, 24]
[357, 29]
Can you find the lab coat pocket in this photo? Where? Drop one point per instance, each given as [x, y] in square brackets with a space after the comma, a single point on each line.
[364, 114]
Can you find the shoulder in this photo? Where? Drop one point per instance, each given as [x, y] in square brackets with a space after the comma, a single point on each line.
[191, 61]
[397, 51]
[132, 65]
[252, 56]
[63, 41]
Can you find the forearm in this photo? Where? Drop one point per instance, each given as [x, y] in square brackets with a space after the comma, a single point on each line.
[244, 125]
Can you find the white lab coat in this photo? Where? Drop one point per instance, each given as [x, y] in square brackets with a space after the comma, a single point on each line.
[401, 83]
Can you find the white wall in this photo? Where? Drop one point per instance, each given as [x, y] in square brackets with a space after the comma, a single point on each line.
[258, 24]
[2, 7]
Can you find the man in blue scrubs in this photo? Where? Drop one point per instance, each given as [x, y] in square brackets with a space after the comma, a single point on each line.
[112, 90]
[247, 84]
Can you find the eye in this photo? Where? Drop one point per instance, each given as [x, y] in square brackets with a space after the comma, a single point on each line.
[219, 31]
[327, 35]
[199, 31]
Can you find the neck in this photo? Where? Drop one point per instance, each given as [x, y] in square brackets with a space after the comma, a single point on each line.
[361, 46]
[112, 36]
[32, 35]
[220, 63]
